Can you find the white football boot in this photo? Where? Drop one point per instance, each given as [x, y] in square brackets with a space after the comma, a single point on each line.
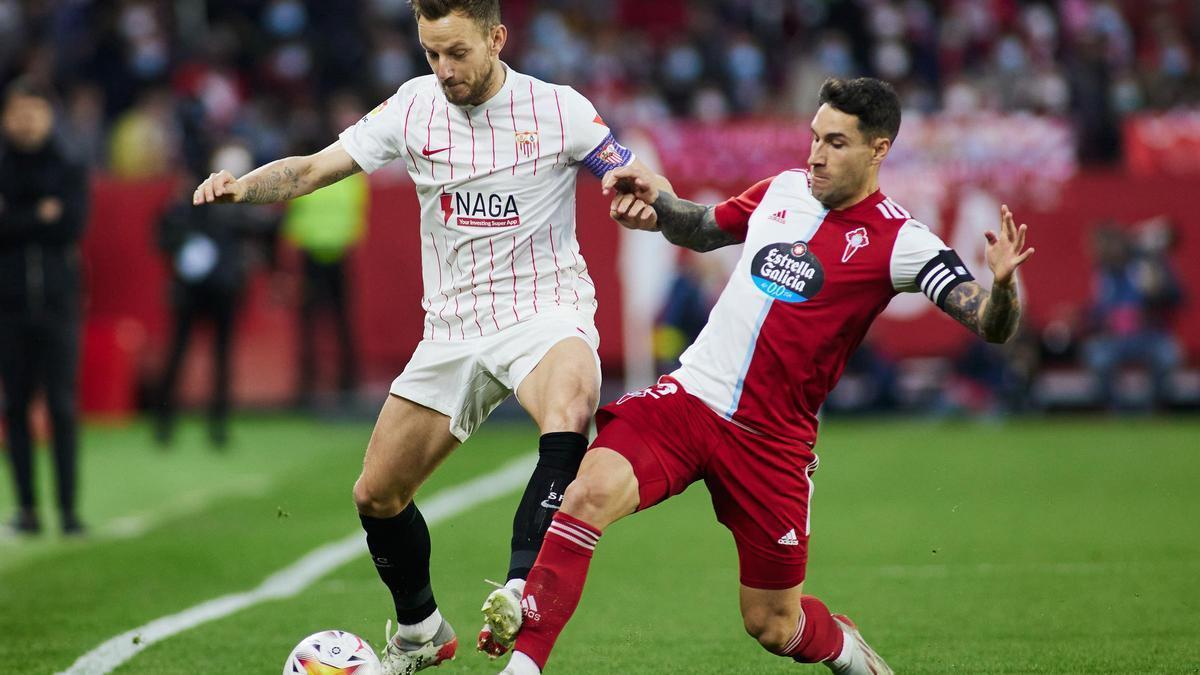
[402, 657]
[863, 660]
[502, 621]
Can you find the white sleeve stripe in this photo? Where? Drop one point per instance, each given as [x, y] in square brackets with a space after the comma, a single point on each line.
[933, 272]
[934, 279]
[936, 293]
[899, 210]
[942, 274]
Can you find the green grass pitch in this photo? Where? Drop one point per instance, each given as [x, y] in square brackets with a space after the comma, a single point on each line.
[1057, 546]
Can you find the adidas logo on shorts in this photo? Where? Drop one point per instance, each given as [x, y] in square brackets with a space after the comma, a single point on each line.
[789, 539]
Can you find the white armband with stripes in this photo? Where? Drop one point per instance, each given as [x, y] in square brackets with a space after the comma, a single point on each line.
[940, 275]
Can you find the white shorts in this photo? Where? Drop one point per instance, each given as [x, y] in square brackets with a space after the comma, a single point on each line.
[466, 379]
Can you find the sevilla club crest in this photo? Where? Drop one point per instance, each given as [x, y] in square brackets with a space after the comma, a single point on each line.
[527, 143]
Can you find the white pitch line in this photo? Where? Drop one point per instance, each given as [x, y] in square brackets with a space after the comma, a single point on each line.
[294, 578]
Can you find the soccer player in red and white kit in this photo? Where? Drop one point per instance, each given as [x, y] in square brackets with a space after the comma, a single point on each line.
[825, 251]
[494, 155]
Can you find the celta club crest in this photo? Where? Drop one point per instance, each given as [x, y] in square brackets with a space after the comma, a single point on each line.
[855, 240]
[527, 143]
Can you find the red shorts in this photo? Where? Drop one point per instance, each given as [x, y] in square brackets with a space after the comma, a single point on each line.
[760, 486]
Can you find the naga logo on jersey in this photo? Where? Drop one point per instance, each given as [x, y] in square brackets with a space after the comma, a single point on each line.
[476, 209]
[855, 240]
[788, 271]
[527, 143]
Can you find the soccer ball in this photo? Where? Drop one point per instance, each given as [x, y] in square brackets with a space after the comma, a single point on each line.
[332, 652]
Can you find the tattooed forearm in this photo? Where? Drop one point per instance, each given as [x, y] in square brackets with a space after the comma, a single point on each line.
[689, 224]
[275, 182]
[1001, 313]
[335, 176]
[963, 305]
[293, 177]
[992, 316]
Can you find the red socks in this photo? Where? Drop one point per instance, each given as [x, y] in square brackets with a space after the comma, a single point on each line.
[555, 584]
[818, 637]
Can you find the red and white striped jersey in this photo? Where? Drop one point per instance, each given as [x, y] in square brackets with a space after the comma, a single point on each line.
[496, 184]
[808, 286]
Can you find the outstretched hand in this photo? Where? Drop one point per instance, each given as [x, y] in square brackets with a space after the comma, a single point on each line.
[1006, 252]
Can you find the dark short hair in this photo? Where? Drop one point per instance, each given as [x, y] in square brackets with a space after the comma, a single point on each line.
[486, 13]
[872, 101]
[27, 87]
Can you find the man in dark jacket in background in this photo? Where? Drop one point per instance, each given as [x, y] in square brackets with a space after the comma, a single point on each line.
[43, 200]
[206, 250]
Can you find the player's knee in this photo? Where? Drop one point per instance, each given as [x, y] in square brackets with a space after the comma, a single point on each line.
[772, 630]
[574, 414]
[595, 498]
[377, 504]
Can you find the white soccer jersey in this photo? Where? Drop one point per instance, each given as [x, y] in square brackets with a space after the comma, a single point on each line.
[497, 189]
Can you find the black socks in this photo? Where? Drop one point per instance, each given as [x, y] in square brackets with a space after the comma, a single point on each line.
[400, 548]
[559, 456]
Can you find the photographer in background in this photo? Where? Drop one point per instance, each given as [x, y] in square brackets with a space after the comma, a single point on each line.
[43, 198]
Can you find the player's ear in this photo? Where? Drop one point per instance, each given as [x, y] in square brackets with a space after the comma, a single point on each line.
[880, 147]
[497, 39]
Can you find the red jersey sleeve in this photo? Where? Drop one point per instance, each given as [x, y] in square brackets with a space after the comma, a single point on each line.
[733, 214]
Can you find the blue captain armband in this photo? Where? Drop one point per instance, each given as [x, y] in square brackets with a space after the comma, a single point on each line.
[608, 155]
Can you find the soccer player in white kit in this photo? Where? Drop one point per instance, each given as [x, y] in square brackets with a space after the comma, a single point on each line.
[509, 306]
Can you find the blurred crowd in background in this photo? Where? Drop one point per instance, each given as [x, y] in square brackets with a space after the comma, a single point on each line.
[152, 88]
[150, 85]
[1118, 352]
